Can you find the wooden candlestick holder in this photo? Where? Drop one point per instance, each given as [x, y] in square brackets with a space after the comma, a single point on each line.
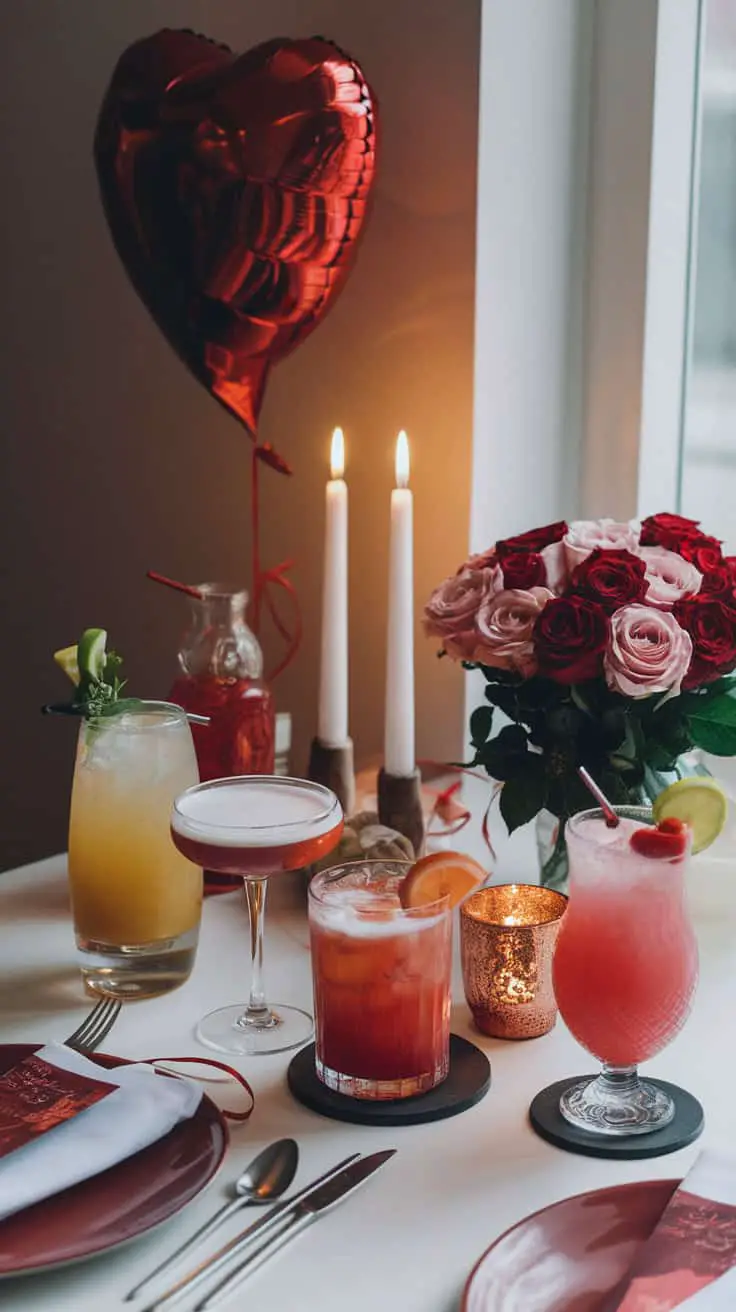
[400, 806]
[333, 767]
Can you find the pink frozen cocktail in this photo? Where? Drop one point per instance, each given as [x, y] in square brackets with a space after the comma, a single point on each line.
[625, 968]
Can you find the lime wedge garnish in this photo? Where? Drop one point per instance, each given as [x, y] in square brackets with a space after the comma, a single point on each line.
[91, 654]
[67, 660]
[700, 803]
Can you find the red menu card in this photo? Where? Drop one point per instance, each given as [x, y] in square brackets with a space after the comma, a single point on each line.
[693, 1248]
[35, 1096]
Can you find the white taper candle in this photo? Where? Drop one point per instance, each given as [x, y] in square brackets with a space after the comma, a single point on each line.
[332, 721]
[399, 726]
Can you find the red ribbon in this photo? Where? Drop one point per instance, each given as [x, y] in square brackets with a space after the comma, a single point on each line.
[275, 577]
[221, 1066]
[445, 803]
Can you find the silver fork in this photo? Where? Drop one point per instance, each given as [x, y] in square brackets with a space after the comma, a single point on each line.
[95, 1027]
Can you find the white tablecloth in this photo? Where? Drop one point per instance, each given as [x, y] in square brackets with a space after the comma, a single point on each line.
[407, 1241]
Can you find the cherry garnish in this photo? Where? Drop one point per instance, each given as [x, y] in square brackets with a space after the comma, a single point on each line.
[666, 841]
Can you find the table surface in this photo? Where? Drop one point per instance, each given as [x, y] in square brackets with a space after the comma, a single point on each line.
[409, 1238]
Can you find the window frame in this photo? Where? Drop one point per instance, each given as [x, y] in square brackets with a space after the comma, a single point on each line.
[586, 192]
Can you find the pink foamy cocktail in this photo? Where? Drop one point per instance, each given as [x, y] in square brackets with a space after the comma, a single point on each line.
[256, 826]
[625, 969]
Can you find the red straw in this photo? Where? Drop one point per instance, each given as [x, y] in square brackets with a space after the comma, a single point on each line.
[186, 588]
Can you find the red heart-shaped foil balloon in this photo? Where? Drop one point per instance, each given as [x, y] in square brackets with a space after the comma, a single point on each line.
[235, 188]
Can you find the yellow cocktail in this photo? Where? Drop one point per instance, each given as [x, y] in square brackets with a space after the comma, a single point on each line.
[136, 900]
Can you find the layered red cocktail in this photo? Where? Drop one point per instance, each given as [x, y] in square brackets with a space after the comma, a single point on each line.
[381, 983]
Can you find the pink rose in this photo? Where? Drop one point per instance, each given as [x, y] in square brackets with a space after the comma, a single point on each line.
[648, 652]
[487, 561]
[505, 629]
[451, 611]
[555, 564]
[584, 535]
[670, 578]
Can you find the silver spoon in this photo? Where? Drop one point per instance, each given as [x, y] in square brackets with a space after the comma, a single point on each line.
[265, 1179]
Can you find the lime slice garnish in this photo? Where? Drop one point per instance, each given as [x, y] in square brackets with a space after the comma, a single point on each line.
[700, 803]
[91, 654]
[67, 660]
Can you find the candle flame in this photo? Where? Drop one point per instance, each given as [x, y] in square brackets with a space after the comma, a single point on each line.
[402, 460]
[337, 454]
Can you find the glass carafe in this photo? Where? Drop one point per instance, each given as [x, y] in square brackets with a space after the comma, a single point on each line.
[221, 677]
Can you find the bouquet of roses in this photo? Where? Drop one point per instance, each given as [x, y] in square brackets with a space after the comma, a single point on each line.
[608, 645]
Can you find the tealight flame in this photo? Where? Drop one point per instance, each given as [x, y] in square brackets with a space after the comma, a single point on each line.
[402, 460]
[337, 454]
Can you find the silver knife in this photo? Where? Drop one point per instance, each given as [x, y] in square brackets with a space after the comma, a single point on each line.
[256, 1230]
[305, 1212]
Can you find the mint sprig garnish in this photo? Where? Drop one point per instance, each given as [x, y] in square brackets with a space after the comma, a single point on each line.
[100, 695]
[95, 672]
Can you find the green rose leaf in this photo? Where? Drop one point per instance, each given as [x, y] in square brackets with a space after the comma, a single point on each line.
[712, 723]
[524, 795]
[505, 698]
[504, 756]
[481, 722]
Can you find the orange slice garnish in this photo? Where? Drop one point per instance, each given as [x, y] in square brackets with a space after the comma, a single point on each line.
[441, 874]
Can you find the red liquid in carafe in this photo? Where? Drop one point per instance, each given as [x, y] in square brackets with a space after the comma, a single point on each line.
[240, 736]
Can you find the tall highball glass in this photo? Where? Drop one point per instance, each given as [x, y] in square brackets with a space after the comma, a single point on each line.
[136, 901]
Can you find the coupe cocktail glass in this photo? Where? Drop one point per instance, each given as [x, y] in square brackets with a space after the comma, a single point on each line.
[624, 971]
[381, 983]
[136, 901]
[256, 826]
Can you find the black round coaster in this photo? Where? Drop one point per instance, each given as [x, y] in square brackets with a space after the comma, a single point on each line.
[468, 1081]
[548, 1121]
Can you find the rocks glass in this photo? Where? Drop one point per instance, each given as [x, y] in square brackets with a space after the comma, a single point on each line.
[381, 983]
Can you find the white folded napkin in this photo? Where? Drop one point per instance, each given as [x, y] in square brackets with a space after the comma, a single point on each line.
[143, 1109]
[689, 1261]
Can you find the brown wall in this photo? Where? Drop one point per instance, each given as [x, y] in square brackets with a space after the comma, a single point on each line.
[114, 460]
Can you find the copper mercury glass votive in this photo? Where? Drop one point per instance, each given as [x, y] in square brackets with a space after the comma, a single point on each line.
[507, 940]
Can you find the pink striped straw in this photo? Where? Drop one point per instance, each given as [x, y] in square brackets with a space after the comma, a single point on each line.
[609, 815]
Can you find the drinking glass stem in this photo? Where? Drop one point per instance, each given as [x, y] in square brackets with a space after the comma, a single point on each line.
[257, 1014]
[619, 1079]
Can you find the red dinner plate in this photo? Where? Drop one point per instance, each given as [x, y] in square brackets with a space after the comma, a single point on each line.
[571, 1257]
[112, 1208]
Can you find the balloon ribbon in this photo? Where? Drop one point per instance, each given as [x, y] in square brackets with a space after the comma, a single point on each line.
[265, 581]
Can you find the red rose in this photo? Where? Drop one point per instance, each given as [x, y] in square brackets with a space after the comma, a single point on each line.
[570, 637]
[703, 552]
[668, 531]
[524, 569]
[712, 628]
[534, 540]
[612, 578]
[720, 582]
[730, 563]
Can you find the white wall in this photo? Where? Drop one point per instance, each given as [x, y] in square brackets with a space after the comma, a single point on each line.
[114, 460]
